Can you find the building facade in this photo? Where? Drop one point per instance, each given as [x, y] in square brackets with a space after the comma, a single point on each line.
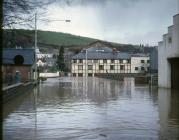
[139, 63]
[101, 59]
[18, 65]
[168, 57]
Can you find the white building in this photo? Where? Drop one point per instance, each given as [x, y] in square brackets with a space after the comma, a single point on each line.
[43, 55]
[40, 63]
[139, 63]
[168, 57]
[101, 59]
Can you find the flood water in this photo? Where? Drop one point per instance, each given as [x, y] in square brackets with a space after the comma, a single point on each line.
[101, 109]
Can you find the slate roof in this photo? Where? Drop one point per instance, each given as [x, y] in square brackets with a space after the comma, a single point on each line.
[102, 55]
[10, 53]
[99, 49]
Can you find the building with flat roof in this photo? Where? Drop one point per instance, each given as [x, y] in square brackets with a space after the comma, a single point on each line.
[168, 57]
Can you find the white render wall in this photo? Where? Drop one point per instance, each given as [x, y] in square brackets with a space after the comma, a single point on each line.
[128, 67]
[95, 67]
[167, 50]
[136, 62]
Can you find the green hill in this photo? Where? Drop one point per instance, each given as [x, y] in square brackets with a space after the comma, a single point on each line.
[25, 38]
[51, 41]
[57, 38]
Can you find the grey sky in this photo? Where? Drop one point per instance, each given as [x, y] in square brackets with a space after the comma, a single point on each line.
[122, 21]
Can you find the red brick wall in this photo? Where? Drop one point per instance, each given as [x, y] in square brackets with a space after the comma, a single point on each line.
[24, 71]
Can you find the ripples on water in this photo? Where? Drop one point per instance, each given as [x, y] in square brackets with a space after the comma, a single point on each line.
[76, 108]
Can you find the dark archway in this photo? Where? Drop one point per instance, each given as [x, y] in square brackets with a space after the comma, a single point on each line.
[174, 72]
[18, 60]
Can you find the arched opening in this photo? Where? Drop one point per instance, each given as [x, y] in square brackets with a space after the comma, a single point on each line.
[18, 60]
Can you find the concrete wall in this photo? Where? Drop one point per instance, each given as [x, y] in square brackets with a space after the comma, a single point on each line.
[10, 92]
[49, 74]
[168, 48]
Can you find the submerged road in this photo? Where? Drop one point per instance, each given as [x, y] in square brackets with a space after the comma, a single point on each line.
[93, 108]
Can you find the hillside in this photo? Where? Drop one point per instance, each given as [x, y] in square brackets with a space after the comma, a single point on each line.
[51, 41]
[25, 38]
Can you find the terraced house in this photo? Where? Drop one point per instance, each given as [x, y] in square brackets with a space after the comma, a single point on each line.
[99, 58]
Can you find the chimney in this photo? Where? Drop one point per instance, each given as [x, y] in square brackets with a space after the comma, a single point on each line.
[114, 50]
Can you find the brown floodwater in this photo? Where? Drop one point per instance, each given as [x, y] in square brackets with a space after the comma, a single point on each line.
[92, 108]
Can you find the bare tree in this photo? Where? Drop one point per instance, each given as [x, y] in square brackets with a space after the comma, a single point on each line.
[21, 12]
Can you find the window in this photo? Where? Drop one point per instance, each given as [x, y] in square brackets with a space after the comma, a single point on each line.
[148, 61]
[121, 67]
[80, 74]
[111, 67]
[89, 61]
[90, 67]
[142, 68]
[95, 61]
[128, 61]
[121, 61]
[148, 68]
[136, 68]
[112, 60]
[74, 61]
[101, 67]
[142, 61]
[104, 61]
[80, 61]
[80, 67]
[74, 74]
[169, 40]
[90, 74]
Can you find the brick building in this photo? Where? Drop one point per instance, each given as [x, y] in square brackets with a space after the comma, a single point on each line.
[17, 65]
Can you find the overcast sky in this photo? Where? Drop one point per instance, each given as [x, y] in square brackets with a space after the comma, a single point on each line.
[122, 21]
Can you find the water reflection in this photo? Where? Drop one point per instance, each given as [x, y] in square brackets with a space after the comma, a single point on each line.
[169, 114]
[92, 108]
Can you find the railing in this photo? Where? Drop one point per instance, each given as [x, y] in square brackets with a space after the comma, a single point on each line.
[153, 80]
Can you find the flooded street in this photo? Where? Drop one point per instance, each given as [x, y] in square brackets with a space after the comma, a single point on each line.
[102, 109]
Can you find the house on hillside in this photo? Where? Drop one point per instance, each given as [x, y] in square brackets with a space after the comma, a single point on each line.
[17, 65]
[100, 58]
[43, 55]
[168, 57]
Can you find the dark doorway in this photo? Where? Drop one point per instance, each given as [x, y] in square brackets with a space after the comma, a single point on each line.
[174, 73]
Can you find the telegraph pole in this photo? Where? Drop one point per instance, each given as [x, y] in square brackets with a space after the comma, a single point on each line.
[86, 63]
[35, 47]
[178, 7]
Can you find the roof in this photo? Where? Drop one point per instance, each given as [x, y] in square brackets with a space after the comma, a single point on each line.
[102, 55]
[9, 55]
[140, 55]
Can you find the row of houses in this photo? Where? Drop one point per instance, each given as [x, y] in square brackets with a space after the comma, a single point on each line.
[99, 58]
